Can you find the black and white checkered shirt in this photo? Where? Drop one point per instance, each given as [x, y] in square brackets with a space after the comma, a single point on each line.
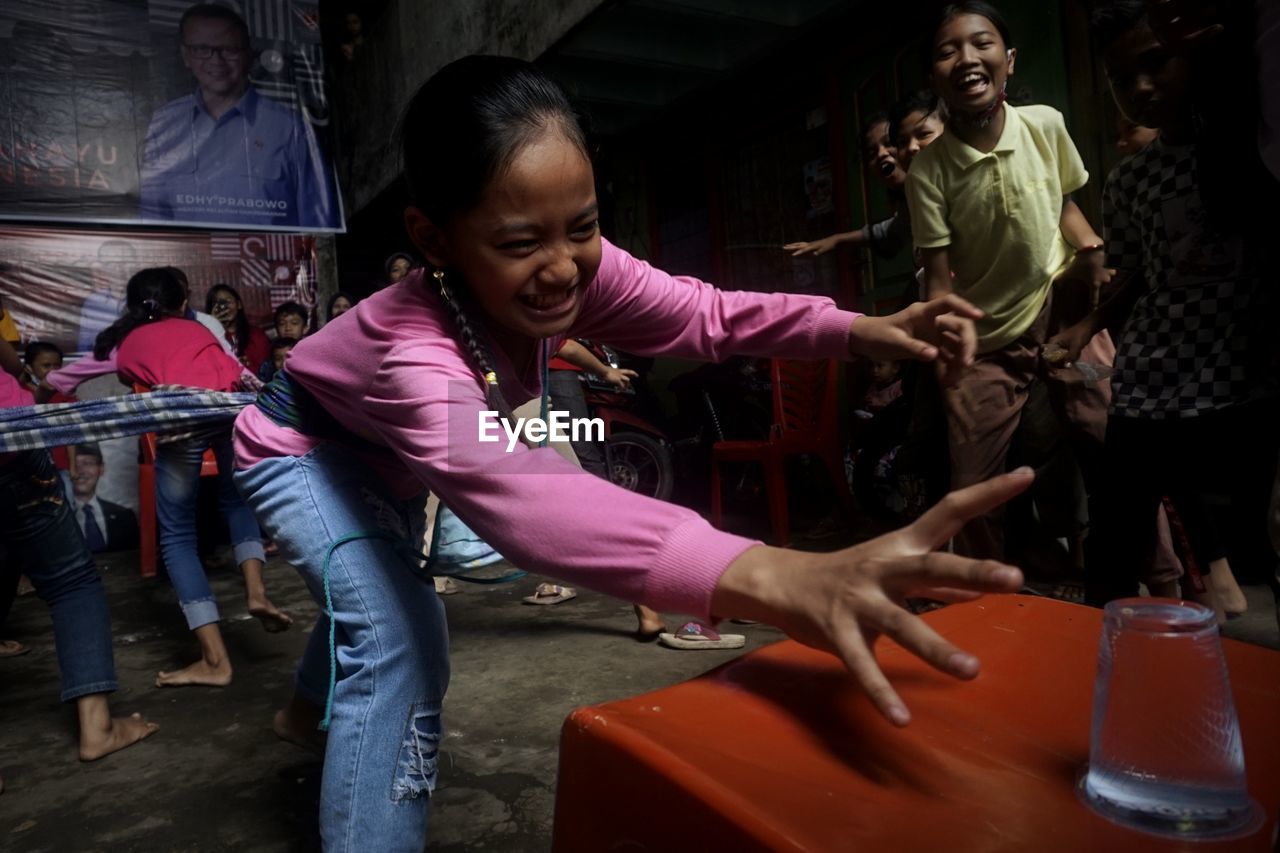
[1196, 338]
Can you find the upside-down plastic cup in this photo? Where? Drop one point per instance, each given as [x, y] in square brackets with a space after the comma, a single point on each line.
[1165, 755]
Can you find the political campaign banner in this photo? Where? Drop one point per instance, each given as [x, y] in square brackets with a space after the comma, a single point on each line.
[166, 112]
[63, 286]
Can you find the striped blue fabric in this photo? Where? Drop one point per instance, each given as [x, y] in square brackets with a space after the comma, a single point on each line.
[172, 412]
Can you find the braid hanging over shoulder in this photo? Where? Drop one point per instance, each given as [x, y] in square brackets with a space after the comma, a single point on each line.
[469, 337]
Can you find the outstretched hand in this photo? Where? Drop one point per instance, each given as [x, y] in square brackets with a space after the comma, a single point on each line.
[938, 330]
[620, 377]
[843, 601]
[812, 247]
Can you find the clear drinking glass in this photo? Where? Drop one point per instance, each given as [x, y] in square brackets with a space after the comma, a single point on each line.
[1165, 754]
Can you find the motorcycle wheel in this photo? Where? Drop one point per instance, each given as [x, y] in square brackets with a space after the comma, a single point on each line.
[641, 464]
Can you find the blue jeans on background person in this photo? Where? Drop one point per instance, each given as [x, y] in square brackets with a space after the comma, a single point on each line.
[43, 541]
[392, 644]
[177, 489]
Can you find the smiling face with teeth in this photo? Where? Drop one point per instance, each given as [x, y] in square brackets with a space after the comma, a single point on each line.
[971, 63]
[880, 156]
[528, 248]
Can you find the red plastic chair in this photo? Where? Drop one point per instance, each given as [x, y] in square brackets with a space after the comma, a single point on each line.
[804, 421]
[148, 545]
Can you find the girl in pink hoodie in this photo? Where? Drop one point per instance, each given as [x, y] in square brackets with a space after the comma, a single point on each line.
[393, 398]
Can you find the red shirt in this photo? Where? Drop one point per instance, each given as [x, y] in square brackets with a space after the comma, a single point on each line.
[257, 350]
[176, 351]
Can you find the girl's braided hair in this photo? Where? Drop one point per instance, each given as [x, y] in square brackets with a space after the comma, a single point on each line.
[461, 131]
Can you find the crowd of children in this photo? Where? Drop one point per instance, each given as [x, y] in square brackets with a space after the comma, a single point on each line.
[982, 190]
[1016, 290]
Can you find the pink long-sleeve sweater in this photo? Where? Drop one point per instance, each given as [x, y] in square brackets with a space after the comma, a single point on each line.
[176, 351]
[391, 370]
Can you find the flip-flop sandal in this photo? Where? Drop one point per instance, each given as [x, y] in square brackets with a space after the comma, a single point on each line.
[695, 635]
[446, 586]
[550, 593]
[12, 649]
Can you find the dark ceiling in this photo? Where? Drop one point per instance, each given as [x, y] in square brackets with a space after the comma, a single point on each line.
[632, 58]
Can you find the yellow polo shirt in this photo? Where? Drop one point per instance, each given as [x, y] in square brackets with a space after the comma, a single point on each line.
[998, 215]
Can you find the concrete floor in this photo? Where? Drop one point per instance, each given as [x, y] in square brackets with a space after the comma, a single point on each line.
[215, 778]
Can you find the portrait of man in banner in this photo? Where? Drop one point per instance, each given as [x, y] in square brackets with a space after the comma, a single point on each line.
[227, 153]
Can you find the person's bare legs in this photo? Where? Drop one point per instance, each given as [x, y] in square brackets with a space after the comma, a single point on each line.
[298, 722]
[273, 619]
[102, 734]
[212, 670]
[1224, 586]
[649, 623]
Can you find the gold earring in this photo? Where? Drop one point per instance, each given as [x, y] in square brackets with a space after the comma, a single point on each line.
[438, 275]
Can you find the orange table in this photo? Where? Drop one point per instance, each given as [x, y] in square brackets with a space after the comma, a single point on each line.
[779, 750]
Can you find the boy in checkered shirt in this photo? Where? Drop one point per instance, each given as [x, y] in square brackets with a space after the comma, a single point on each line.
[1193, 411]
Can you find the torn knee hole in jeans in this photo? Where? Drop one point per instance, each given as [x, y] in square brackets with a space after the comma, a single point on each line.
[416, 764]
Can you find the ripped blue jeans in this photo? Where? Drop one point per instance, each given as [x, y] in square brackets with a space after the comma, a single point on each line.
[391, 641]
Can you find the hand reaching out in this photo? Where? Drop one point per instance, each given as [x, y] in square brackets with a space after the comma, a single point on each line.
[619, 377]
[938, 330]
[812, 247]
[843, 601]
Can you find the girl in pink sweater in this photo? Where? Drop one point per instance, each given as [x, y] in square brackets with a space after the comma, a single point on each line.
[391, 398]
[156, 345]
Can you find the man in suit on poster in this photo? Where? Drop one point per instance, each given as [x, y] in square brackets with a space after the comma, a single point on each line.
[106, 526]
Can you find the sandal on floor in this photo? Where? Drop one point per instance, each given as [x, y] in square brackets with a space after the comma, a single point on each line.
[550, 593]
[12, 649]
[695, 635]
[446, 586]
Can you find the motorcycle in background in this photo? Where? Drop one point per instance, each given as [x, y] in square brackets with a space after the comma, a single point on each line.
[638, 455]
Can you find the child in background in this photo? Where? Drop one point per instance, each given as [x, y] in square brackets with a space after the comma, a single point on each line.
[40, 358]
[156, 345]
[249, 343]
[292, 321]
[915, 122]
[339, 304]
[888, 236]
[42, 540]
[397, 266]
[879, 428]
[1194, 406]
[990, 200]
[280, 349]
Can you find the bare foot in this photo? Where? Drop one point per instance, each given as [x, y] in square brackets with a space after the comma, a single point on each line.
[649, 624]
[299, 730]
[273, 619]
[121, 732]
[200, 672]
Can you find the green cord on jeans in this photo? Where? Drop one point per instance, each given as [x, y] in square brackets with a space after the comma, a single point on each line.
[411, 558]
